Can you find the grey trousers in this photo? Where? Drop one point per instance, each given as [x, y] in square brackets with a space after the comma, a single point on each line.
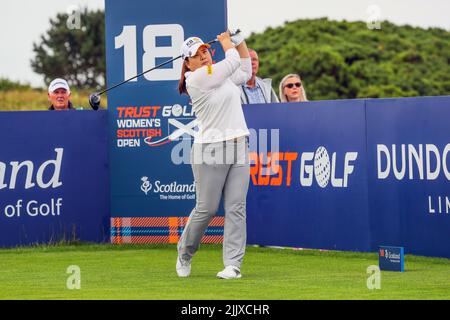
[220, 169]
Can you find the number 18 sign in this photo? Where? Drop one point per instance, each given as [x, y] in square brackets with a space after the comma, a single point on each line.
[150, 123]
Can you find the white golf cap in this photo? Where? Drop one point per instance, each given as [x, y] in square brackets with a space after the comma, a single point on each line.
[190, 47]
[57, 84]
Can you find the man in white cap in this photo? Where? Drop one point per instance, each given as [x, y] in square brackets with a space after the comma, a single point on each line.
[59, 95]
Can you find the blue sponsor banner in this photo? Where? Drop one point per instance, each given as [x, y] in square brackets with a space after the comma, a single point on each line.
[54, 182]
[315, 196]
[391, 258]
[149, 121]
[408, 147]
[352, 175]
[344, 175]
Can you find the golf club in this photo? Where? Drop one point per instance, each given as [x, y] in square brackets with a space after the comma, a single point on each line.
[94, 98]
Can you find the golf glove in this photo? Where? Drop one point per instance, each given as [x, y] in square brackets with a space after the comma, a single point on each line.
[237, 38]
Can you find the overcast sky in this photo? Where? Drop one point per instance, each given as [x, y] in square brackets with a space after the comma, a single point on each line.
[23, 21]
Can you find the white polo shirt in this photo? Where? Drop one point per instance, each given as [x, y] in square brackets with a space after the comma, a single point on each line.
[216, 98]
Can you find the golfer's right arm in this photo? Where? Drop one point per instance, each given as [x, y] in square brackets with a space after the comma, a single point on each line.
[209, 77]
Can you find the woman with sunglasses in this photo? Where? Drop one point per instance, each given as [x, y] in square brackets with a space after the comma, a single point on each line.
[219, 155]
[291, 89]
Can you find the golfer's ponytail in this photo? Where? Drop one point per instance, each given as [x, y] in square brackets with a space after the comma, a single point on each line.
[182, 83]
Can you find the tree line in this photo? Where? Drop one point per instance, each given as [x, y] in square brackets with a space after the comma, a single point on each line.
[336, 59]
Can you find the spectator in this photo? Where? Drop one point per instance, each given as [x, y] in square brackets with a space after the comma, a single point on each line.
[257, 90]
[59, 95]
[291, 89]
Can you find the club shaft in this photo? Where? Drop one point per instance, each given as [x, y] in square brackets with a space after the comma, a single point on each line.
[155, 67]
[140, 74]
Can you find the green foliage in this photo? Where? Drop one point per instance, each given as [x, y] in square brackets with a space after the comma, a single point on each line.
[346, 60]
[6, 85]
[336, 59]
[78, 55]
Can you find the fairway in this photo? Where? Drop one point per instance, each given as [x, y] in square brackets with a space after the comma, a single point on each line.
[148, 272]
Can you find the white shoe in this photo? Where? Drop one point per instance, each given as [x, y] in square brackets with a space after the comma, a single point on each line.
[183, 268]
[230, 272]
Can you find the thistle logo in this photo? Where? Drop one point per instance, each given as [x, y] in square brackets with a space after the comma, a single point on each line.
[325, 170]
[159, 187]
[146, 185]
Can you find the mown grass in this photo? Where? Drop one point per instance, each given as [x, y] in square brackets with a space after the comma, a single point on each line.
[148, 272]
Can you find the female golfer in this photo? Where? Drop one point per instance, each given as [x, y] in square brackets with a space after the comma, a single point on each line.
[219, 155]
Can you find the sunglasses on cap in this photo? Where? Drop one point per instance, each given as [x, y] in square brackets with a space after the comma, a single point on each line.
[291, 85]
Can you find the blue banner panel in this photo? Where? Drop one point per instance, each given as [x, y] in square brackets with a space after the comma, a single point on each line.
[149, 121]
[54, 182]
[313, 192]
[408, 145]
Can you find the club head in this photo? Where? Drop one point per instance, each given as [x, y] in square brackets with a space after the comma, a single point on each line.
[94, 100]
